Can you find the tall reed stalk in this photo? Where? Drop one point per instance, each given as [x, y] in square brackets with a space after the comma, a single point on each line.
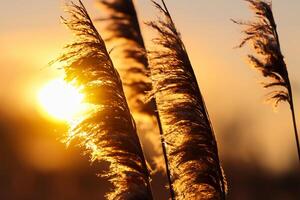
[263, 35]
[108, 131]
[191, 145]
[122, 24]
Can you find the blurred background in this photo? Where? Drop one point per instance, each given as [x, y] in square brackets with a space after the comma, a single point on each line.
[256, 143]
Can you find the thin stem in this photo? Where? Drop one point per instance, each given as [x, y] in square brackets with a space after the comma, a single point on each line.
[163, 145]
[291, 96]
[149, 188]
[295, 130]
[294, 122]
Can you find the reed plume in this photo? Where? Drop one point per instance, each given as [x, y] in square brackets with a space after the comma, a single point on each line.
[191, 144]
[263, 35]
[124, 32]
[108, 131]
[123, 25]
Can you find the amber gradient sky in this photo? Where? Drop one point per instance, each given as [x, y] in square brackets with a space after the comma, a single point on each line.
[31, 35]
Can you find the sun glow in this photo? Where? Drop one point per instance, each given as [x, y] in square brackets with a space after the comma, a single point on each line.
[60, 100]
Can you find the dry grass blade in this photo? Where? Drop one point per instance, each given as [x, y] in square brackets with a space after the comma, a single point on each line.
[263, 35]
[191, 144]
[108, 132]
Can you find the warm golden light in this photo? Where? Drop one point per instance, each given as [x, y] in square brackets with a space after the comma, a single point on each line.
[60, 100]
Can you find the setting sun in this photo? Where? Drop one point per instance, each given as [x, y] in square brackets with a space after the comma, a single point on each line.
[60, 100]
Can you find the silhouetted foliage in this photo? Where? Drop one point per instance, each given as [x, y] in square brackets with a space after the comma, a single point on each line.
[263, 35]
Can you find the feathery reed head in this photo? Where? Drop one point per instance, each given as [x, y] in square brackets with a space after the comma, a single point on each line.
[108, 132]
[191, 145]
[263, 35]
[124, 32]
[123, 20]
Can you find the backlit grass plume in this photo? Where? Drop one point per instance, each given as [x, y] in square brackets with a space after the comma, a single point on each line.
[108, 132]
[124, 31]
[263, 35]
[191, 145]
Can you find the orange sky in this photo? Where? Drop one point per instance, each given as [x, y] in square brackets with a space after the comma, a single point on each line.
[31, 36]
